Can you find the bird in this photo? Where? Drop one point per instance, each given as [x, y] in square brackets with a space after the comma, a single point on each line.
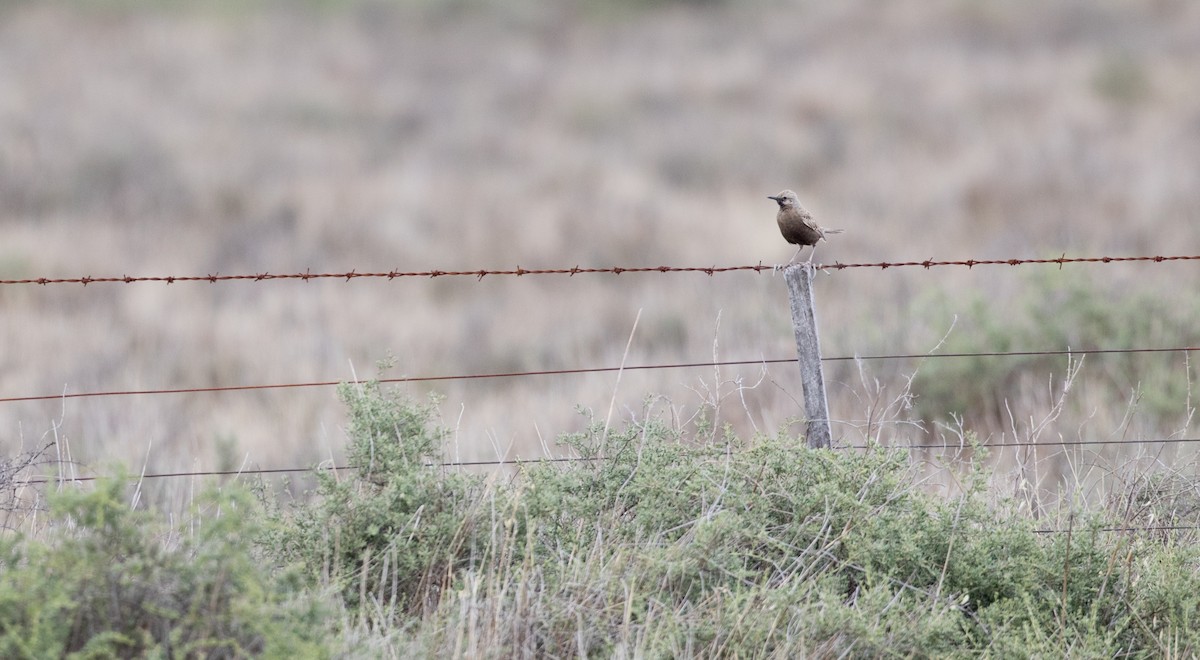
[797, 224]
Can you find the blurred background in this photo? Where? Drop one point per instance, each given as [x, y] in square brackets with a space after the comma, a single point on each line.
[150, 138]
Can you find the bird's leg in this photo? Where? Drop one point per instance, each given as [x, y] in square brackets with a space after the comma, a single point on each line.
[778, 267]
[811, 254]
[810, 258]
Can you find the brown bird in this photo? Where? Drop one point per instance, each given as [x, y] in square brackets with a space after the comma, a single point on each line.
[797, 224]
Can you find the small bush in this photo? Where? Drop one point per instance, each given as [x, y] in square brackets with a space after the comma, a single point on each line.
[1059, 313]
[17, 499]
[651, 544]
[394, 528]
[105, 583]
[823, 535]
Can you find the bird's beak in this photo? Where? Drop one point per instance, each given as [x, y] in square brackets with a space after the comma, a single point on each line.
[777, 199]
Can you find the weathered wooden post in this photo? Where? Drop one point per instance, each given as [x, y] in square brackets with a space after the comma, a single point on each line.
[808, 350]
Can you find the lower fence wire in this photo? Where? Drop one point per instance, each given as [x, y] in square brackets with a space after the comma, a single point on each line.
[586, 370]
[582, 459]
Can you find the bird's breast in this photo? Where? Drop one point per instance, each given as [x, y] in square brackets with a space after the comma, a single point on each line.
[797, 227]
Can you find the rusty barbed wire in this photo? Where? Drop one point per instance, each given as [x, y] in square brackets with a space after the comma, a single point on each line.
[389, 275]
[587, 370]
[971, 263]
[519, 271]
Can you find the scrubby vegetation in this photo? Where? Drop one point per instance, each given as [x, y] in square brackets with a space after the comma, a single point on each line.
[104, 581]
[650, 543]
[1062, 311]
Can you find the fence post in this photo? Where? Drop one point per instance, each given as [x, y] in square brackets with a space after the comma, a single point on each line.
[799, 279]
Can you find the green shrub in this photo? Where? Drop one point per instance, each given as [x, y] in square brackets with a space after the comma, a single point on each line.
[394, 528]
[1162, 499]
[656, 545]
[1060, 310]
[17, 500]
[774, 521]
[107, 581]
[1164, 586]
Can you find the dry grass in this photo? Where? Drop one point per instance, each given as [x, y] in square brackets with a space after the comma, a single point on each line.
[373, 136]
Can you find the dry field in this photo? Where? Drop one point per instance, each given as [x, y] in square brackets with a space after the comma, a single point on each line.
[281, 137]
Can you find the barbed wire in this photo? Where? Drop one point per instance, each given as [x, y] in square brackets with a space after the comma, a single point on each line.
[388, 275]
[971, 263]
[587, 370]
[519, 271]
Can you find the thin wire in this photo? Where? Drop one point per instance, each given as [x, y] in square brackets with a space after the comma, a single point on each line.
[167, 475]
[42, 480]
[571, 459]
[226, 473]
[576, 270]
[1033, 445]
[1150, 528]
[586, 370]
[1066, 351]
